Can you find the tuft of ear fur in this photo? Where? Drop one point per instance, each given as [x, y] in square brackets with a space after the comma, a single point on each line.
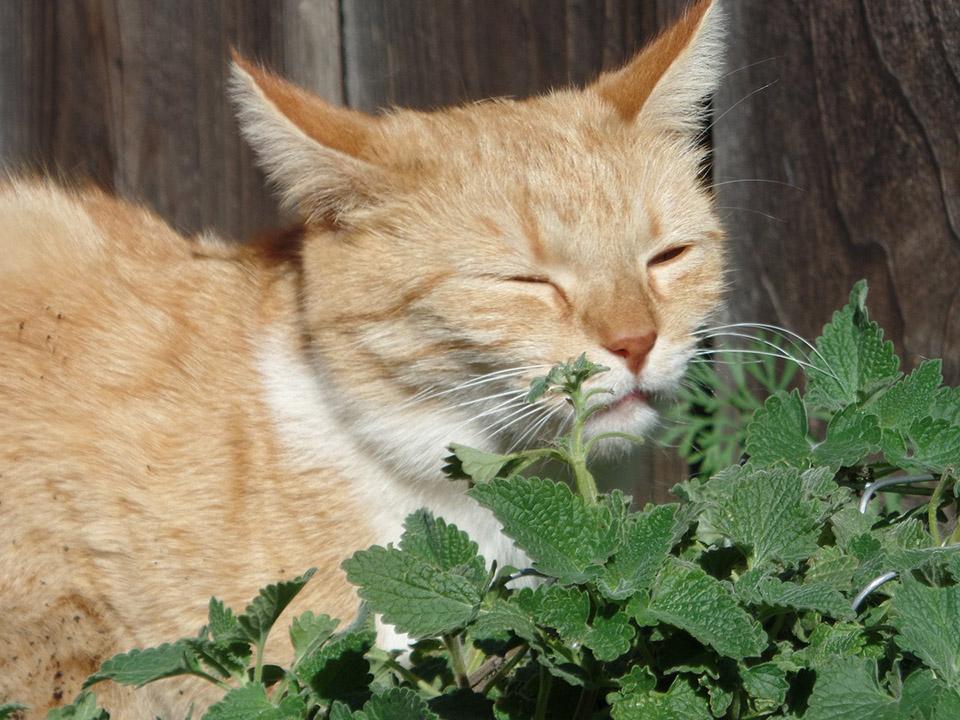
[316, 153]
[665, 83]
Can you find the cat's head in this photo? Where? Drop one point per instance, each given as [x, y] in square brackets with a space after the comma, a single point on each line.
[451, 256]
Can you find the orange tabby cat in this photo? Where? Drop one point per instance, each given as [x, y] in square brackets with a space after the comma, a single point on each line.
[180, 419]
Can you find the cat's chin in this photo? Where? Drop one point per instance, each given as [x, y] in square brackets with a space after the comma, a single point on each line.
[632, 414]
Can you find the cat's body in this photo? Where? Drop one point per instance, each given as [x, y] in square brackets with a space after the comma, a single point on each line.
[178, 419]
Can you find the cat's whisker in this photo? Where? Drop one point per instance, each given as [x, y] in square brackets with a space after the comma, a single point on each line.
[506, 405]
[471, 383]
[775, 329]
[744, 351]
[765, 181]
[737, 104]
[749, 65]
[750, 210]
[754, 338]
[535, 427]
[512, 393]
[523, 413]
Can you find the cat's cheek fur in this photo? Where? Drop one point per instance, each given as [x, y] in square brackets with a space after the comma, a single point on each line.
[314, 435]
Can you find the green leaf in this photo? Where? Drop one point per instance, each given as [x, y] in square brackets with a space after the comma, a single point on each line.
[852, 358]
[818, 597]
[567, 610]
[83, 708]
[467, 463]
[222, 623]
[9, 709]
[828, 642]
[778, 432]
[501, 617]
[926, 619]
[637, 699]
[910, 398]
[339, 669]
[564, 536]
[139, 667]
[768, 512]
[851, 436]
[946, 405]
[396, 704]
[648, 539]
[415, 596]
[848, 689]
[443, 546]
[931, 446]
[260, 615]
[246, 703]
[686, 597]
[308, 632]
[766, 682]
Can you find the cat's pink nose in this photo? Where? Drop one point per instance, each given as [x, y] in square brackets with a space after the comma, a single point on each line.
[634, 350]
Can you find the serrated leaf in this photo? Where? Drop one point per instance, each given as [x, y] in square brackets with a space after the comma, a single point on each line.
[564, 536]
[396, 704]
[467, 463]
[221, 623]
[930, 446]
[84, 707]
[686, 597]
[443, 546]
[946, 405]
[246, 703]
[766, 682]
[501, 617]
[637, 699]
[829, 642]
[260, 615]
[308, 632]
[778, 432]
[415, 596]
[852, 358]
[609, 636]
[829, 566]
[648, 539]
[339, 669]
[818, 597]
[848, 689]
[8, 709]
[910, 398]
[768, 513]
[851, 436]
[139, 667]
[926, 619]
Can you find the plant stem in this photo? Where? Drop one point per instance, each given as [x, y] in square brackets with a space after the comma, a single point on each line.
[577, 456]
[456, 659]
[509, 664]
[934, 506]
[422, 685]
[543, 693]
[258, 668]
[586, 703]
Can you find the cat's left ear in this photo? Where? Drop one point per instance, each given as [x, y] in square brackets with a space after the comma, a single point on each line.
[664, 85]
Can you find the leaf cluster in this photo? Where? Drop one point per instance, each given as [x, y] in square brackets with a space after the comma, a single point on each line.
[757, 595]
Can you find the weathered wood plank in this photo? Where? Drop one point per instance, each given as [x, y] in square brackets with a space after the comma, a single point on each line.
[861, 126]
[133, 96]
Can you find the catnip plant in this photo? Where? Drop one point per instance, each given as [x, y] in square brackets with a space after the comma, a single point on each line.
[780, 586]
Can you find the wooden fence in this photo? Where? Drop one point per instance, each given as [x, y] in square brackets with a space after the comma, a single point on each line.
[836, 135]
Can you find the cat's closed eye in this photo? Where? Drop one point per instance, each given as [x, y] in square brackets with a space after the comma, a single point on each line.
[539, 280]
[666, 256]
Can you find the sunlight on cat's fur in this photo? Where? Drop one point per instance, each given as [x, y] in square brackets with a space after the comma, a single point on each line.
[180, 419]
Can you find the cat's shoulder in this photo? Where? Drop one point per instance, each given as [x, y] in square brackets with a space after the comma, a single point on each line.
[44, 222]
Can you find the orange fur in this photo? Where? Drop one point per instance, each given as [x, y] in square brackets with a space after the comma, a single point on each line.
[180, 419]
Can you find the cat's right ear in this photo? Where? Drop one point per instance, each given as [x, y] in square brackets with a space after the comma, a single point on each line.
[316, 153]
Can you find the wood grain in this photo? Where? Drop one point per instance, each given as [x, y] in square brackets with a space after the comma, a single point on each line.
[132, 95]
[860, 127]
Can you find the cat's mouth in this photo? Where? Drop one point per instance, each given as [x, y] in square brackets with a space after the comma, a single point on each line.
[634, 397]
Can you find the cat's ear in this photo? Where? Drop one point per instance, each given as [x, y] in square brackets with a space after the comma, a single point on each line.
[316, 153]
[666, 82]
